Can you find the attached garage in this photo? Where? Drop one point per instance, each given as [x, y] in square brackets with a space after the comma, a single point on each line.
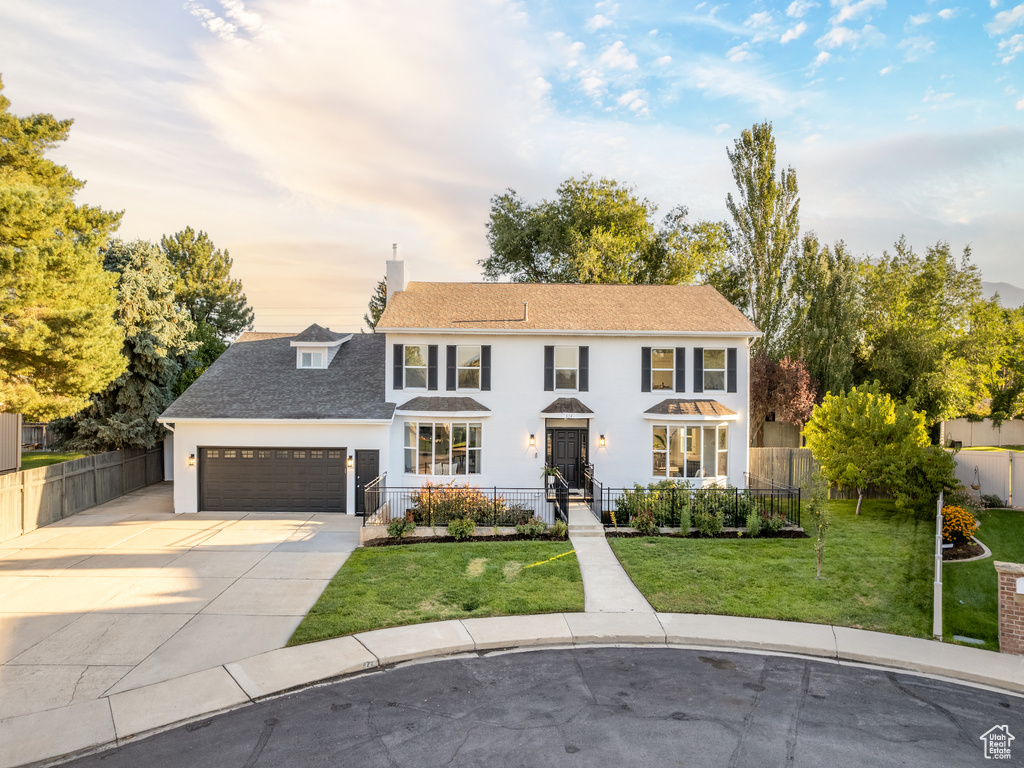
[272, 479]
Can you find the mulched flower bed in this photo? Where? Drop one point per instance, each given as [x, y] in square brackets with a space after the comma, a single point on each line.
[783, 534]
[387, 541]
[963, 551]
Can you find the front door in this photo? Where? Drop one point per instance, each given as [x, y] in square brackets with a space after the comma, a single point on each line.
[367, 468]
[568, 453]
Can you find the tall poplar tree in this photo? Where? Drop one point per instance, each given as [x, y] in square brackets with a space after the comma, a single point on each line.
[378, 301]
[767, 217]
[59, 341]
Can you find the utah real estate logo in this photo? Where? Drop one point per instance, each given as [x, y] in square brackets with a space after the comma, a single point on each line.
[997, 742]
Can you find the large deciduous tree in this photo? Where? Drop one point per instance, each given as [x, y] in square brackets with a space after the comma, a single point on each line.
[766, 213]
[597, 231]
[825, 327]
[782, 387]
[59, 341]
[203, 283]
[155, 332]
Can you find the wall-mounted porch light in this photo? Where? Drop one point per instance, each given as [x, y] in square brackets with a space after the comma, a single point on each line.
[348, 462]
[533, 439]
[600, 441]
[191, 459]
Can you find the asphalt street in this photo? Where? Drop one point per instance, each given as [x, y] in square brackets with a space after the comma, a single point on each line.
[600, 707]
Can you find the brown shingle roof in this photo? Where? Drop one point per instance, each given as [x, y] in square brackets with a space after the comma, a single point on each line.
[567, 405]
[442, 404]
[562, 307]
[691, 408]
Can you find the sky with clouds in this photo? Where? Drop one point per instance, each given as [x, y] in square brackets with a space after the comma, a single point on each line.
[306, 136]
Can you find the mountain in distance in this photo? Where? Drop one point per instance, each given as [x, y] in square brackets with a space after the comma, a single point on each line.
[1010, 296]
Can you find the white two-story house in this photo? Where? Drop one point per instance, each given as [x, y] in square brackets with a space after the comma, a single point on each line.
[482, 384]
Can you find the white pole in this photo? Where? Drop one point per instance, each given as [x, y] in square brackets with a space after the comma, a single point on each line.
[937, 593]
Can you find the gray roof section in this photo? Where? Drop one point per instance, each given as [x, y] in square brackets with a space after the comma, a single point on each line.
[256, 378]
[567, 405]
[442, 404]
[316, 333]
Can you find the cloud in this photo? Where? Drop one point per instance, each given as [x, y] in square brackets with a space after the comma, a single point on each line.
[1006, 20]
[593, 84]
[720, 79]
[237, 24]
[663, 61]
[916, 48]
[617, 56]
[838, 37]
[740, 53]
[634, 101]
[821, 58]
[723, 127]
[758, 20]
[851, 10]
[931, 97]
[921, 18]
[798, 8]
[1020, 103]
[886, 70]
[1011, 47]
[792, 34]
[947, 13]
[597, 22]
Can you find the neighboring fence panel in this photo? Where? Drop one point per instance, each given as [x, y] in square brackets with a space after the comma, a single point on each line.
[795, 466]
[984, 432]
[989, 470]
[37, 435]
[37, 497]
[10, 442]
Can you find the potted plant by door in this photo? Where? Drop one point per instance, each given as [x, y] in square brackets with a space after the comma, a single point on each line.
[550, 473]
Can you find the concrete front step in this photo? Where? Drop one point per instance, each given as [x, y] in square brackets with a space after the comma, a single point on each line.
[586, 530]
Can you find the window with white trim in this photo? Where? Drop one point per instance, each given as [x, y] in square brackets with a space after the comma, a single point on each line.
[443, 448]
[681, 451]
[714, 370]
[416, 357]
[311, 360]
[567, 368]
[468, 367]
[663, 368]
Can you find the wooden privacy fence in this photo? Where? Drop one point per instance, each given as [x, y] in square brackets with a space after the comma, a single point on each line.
[36, 497]
[39, 435]
[794, 467]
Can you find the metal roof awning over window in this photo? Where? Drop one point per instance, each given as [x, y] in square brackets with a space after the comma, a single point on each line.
[450, 406]
[567, 408]
[690, 410]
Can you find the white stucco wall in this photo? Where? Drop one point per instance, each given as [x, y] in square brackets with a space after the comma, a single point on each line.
[517, 397]
[189, 437]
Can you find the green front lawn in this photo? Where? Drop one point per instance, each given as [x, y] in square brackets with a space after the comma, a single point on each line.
[36, 459]
[877, 572]
[393, 586]
[969, 599]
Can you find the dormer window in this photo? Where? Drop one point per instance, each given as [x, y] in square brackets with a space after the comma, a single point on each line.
[311, 360]
[316, 347]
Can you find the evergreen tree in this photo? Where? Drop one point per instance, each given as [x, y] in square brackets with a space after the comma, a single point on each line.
[203, 283]
[59, 341]
[378, 301]
[766, 215]
[208, 347]
[156, 331]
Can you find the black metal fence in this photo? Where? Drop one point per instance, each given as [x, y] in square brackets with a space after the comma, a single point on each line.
[669, 505]
[437, 505]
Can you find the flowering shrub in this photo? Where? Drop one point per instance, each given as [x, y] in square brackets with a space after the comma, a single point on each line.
[645, 522]
[461, 528]
[400, 526]
[958, 525]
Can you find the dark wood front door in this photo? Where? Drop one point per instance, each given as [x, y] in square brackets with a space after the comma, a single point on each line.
[367, 468]
[569, 454]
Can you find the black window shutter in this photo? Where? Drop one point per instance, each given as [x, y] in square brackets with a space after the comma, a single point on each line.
[645, 369]
[549, 369]
[698, 369]
[730, 369]
[680, 369]
[584, 369]
[432, 366]
[399, 365]
[485, 367]
[450, 372]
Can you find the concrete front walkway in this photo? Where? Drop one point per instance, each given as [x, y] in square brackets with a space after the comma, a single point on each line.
[128, 594]
[606, 587]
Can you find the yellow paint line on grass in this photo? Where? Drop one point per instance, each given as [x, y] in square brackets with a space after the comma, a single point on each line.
[571, 551]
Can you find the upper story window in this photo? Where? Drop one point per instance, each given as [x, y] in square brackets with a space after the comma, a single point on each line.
[567, 368]
[468, 367]
[416, 358]
[663, 367]
[714, 370]
[311, 359]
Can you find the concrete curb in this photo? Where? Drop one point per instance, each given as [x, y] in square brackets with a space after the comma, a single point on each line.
[45, 738]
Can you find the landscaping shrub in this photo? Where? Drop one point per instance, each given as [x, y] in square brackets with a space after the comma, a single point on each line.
[990, 500]
[684, 521]
[439, 503]
[461, 528]
[709, 524]
[559, 530]
[773, 523]
[958, 525]
[753, 523]
[645, 523]
[963, 498]
[659, 498]
[400, 526]
[532, 528]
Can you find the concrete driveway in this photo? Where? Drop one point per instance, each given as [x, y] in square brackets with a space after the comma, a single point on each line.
[128, 593]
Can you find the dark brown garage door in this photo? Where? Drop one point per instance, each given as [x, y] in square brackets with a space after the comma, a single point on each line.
[272, 479]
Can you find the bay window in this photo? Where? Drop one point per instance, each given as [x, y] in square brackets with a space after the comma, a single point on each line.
[443, 448]
[683, 451]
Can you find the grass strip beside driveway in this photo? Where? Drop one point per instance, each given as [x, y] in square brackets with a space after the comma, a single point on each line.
[877, 572]
[970, 601]
[394, 586]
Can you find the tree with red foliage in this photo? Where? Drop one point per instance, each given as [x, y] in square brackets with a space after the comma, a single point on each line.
[780, 386]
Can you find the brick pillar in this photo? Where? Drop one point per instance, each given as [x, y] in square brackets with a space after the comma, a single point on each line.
[1011, 607]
